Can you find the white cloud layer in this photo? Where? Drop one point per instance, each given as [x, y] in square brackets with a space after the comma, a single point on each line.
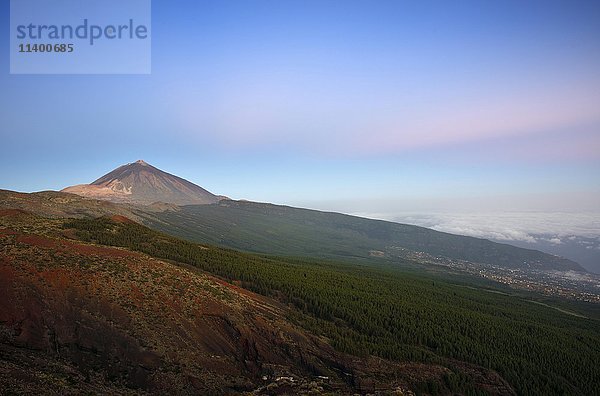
[531, 227]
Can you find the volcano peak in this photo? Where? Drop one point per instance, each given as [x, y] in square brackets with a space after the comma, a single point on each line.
[142, 183]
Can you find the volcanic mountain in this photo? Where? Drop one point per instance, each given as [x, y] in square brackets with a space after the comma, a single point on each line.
[142, 183]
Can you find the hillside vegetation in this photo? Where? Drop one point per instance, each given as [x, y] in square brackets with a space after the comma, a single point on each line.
[80, 318]
[397, 315]
[283, 230]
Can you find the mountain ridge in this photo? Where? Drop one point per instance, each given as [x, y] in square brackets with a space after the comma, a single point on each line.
[285, 230]
[288, 231]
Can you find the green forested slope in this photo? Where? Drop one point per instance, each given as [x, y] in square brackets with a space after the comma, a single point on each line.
[282, 230]
[399, 315]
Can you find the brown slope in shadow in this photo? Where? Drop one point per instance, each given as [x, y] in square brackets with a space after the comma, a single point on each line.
[76, 317]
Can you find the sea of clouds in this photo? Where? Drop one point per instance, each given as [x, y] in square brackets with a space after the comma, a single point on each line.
[512, 226]
[572, 235]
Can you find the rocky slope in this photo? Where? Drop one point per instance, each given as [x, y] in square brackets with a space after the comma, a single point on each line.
[142, 183]
[77, 317]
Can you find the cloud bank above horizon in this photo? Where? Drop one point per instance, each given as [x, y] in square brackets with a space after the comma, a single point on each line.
[528, 227]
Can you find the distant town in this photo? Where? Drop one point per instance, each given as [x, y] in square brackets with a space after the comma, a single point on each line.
[582, 286]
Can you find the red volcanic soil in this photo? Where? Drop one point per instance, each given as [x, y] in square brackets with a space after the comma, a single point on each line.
[12, 212]
[143, 323]
[69, 246]
[79, 318]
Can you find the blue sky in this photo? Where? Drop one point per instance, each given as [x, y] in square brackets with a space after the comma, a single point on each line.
[333, 104]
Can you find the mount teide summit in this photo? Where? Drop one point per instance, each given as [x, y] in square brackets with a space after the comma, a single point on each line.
[142, 183]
